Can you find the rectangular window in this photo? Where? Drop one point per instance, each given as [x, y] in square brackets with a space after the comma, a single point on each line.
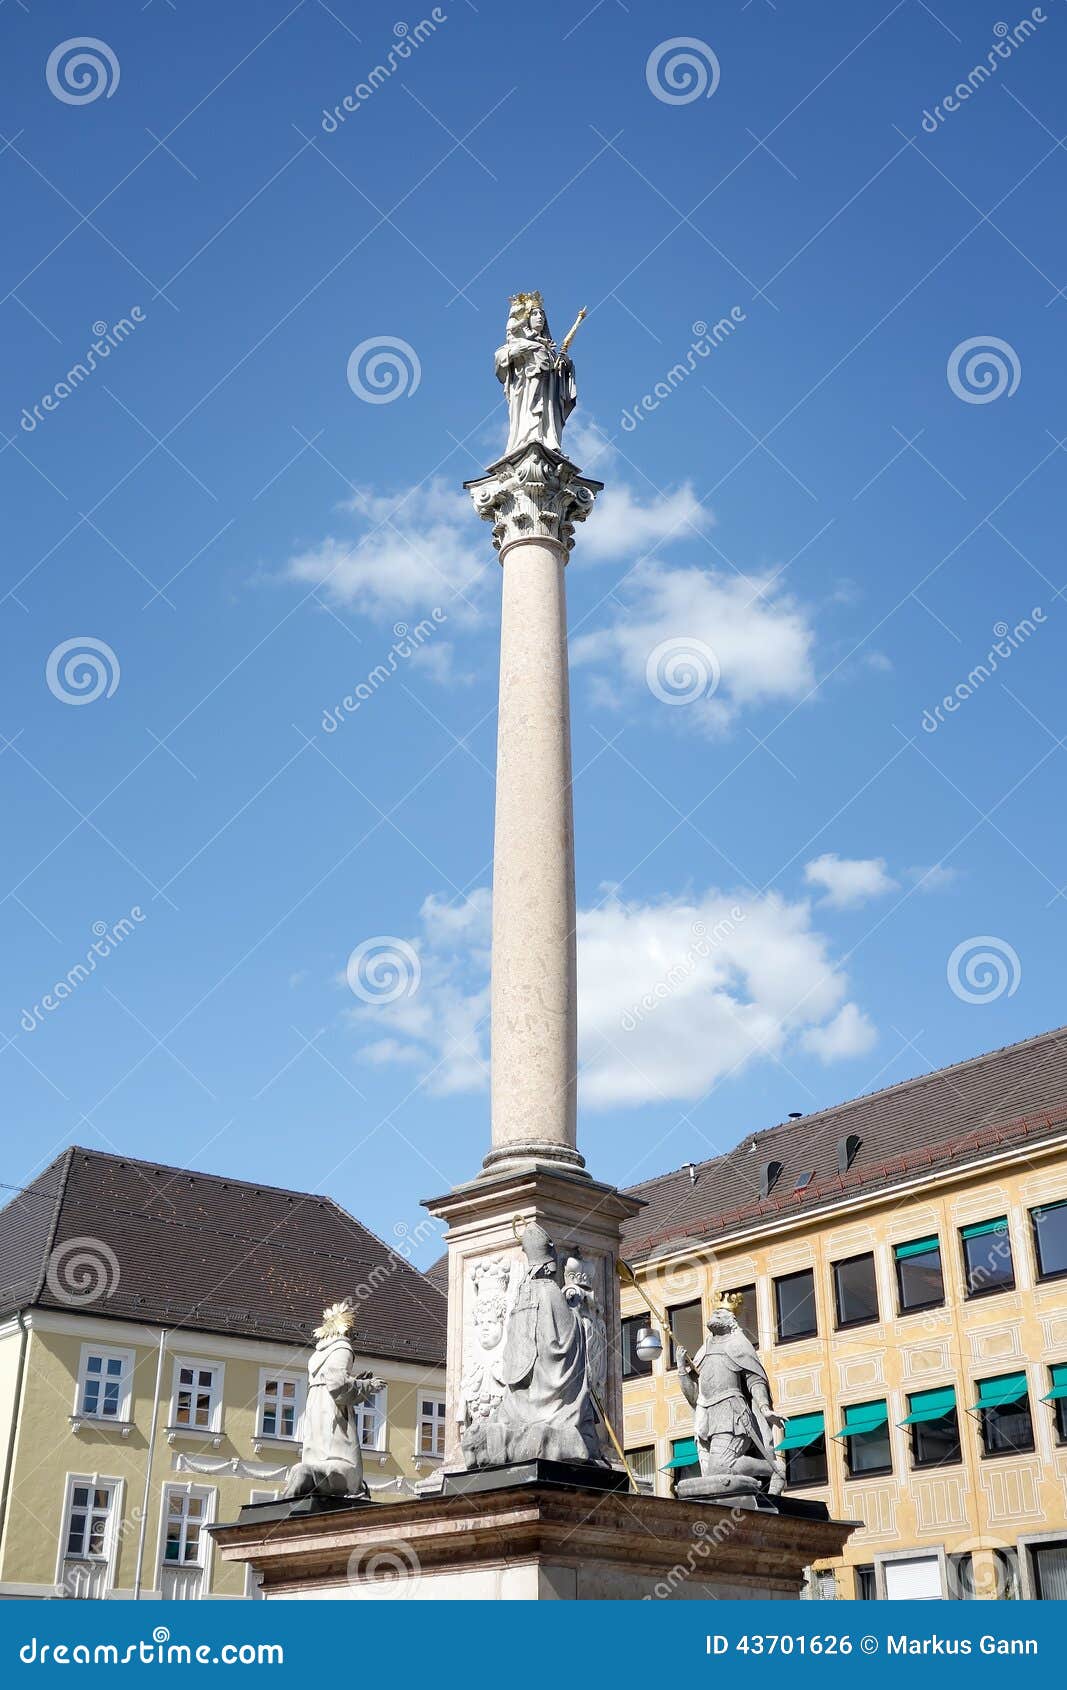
[803, 1443]
[370, 1419]
[431, 1438]
[935, 1430]
[197, 1397]
[642, 1463]
[280, 1402]
[1050, 1239]
[87, 1534]
[632, 1365]
[920, 1281]
[855, 1291]
[794, 1301]
[104, 1384]
[865, 1435]
[747, 1312]
[1004, 1407]
[1050, 1571]
[1057, 1396]
[987, 1257]
[686, 1322]
[866, 1588]
[185, 1513]
[960, 1572]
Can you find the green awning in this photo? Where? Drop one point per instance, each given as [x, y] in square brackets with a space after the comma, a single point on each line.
[1059, 1384]
[1047, 1208]
[863, 1417]
[802, 1430]
[980, 1230]
[997, 1393]
[921, 1247]
[929, 1405]
[685, 1455]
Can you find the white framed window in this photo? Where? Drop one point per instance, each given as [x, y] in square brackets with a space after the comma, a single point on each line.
[104, 1384]
[430, 1433]
[370, 1420]
[281, 1404]
[88, 1535]
[184, 1545]
[196, 1404]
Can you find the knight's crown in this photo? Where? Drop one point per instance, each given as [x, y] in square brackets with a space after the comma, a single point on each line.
[729, 1300]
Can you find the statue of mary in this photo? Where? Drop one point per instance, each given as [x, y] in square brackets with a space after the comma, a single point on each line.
[538, 378]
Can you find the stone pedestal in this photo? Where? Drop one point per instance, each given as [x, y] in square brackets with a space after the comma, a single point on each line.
[533, 1542]
[485, 1218]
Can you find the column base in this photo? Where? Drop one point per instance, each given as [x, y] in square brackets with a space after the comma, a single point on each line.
[533, 1155]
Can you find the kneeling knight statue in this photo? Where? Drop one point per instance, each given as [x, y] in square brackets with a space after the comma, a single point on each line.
[734, 1422]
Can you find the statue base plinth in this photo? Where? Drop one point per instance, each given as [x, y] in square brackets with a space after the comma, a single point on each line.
[717, 1490]
[572, 1475]
[288, 1508]
[531, 1542]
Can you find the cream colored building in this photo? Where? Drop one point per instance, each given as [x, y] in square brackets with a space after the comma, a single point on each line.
[153, 1364]
[903, 1260]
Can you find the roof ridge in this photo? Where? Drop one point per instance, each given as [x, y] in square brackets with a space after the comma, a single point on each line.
[199, 1173]
[65, 1158]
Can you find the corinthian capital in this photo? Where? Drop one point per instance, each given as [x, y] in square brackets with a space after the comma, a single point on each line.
[533, 495]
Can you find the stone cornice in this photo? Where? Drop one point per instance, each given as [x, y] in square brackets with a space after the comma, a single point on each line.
[535, 495]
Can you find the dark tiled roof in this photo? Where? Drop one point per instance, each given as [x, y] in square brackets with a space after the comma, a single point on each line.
[961, 1114]
[210, 1254]
[437, 1273]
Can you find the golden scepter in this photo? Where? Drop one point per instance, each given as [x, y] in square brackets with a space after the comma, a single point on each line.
[570, 334]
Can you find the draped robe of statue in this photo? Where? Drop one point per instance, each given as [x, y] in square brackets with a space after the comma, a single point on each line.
[547, 1411]
[539, 388]
[330, 1460]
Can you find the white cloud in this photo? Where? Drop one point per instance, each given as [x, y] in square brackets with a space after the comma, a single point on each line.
[850, 1033]
[760, 639]
[849, 881]
[673, 996]
[410, 551]
[622, 526]
[936, 878]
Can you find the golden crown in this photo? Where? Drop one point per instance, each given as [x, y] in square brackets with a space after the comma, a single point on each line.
[729, 1300]
[336, 1320]
[524, 303]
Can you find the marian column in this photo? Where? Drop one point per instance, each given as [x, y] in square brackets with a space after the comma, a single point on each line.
[533, 1225]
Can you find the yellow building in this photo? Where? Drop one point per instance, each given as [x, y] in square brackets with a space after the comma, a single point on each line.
[156, 1327]
[903, 1264]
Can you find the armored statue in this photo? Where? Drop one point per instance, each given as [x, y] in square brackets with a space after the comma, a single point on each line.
[547, 1410]
[330, 1461]
[734, 1422]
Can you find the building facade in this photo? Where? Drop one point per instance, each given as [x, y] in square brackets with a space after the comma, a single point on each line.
[153, 1364]
[902, 1262]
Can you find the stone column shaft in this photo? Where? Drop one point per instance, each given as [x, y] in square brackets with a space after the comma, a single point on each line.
[533, 501]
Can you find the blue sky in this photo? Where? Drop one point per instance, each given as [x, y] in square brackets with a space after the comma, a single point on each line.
[833, 502]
